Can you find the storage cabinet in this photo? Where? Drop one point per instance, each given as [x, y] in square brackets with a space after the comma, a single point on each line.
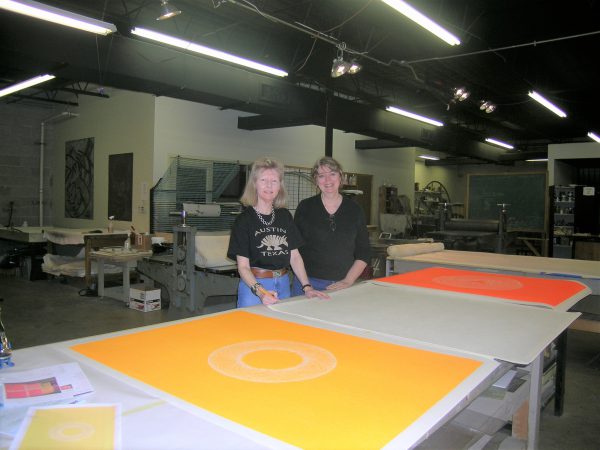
[562, 221]
[388, 200]
[427, 205]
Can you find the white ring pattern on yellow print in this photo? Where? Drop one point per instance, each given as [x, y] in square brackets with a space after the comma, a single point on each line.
[314, 361]
[71, 431]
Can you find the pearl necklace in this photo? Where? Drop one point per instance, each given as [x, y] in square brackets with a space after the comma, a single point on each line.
[264, 222]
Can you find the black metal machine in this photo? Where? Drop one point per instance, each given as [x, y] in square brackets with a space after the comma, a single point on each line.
[475, 235]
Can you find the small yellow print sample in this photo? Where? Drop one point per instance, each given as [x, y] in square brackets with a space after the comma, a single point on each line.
[70, 427]
[309, 387]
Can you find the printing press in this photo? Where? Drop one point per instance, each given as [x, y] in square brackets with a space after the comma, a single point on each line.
[472, 235]
[194, 268]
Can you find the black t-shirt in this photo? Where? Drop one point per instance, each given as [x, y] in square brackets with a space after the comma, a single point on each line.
[332, 244]
[267, 247]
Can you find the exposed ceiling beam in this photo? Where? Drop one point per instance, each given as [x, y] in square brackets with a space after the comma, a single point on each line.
[454, 161]
[521, 156]
[373, 144]
[262, 122]
[133, 64]
[37, 98]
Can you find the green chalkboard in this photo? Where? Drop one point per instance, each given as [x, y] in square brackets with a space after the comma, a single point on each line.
[524, 192]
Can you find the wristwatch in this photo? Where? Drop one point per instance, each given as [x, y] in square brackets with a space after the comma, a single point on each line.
[304, 286]
[254, 288]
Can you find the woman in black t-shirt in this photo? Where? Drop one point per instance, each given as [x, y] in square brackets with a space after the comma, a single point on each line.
[264, 240]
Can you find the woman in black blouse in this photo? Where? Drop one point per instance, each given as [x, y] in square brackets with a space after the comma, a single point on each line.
[336, 249]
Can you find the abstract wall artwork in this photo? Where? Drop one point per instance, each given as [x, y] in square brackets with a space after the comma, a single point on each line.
[120, 185]
[79, 178]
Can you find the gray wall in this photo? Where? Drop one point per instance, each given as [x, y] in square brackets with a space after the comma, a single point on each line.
[156, 129]
[20, 129]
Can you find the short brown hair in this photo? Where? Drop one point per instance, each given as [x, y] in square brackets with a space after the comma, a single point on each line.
[330, 163]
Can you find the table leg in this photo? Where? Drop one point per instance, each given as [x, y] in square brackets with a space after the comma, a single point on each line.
[388, 267]
[535, 398]
[100, 263]
[561, 369]
[88, 262]
[126, 286]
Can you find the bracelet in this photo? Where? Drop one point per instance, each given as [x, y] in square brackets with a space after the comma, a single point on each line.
[304, 286]
[254, 288]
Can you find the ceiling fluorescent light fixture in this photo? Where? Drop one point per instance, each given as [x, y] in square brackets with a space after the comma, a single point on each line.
[414, 116]
[594, 136]
[499, 143]
[423, 20]
[432, 158]
[537, 160]
[25, 84]
[207, 51]
[59, 16]
[167, 11]
[552, 107]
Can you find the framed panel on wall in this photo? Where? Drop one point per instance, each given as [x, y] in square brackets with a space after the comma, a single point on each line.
[79, 178]
[120, 186]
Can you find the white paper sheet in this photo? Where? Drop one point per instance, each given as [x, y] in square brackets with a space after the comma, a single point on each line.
[51, 384]
[509, 332]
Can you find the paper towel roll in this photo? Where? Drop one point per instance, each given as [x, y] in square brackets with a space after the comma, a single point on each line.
[201, 209]
[401, 250]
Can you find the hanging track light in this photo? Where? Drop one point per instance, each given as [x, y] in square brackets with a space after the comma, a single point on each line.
[354, 67]
[167, 10]
[341, 66]
[461, 94]
[487, 106]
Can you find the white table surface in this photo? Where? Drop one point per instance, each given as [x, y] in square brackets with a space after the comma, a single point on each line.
[153, 419]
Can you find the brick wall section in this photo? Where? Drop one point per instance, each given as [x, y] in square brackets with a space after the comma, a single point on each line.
[20, 132]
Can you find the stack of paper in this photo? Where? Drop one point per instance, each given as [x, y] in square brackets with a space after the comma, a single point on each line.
[63, 383]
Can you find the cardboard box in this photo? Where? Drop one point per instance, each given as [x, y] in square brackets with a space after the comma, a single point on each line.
[143, 242]
[144, 305]
[144, 299]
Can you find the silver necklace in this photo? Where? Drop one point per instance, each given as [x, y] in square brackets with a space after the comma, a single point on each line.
[264, 222]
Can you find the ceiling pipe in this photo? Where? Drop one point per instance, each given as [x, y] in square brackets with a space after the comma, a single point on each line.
[306, 30]
[65, 115]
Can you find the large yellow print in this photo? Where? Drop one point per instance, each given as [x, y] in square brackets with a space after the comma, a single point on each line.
[309, 387]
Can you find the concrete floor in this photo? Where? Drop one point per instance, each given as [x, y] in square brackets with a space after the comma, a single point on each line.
[46, 311]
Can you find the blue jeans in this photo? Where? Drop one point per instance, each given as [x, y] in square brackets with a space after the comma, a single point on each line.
[317, 283]
[281, 285]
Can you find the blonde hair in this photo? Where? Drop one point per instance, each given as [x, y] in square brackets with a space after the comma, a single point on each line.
[331, 164]
[250, 197]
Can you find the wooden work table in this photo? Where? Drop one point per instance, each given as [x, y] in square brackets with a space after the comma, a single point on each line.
[126, 258]
[97, 241]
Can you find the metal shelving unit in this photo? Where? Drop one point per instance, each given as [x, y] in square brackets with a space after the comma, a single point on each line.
[563, 221]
